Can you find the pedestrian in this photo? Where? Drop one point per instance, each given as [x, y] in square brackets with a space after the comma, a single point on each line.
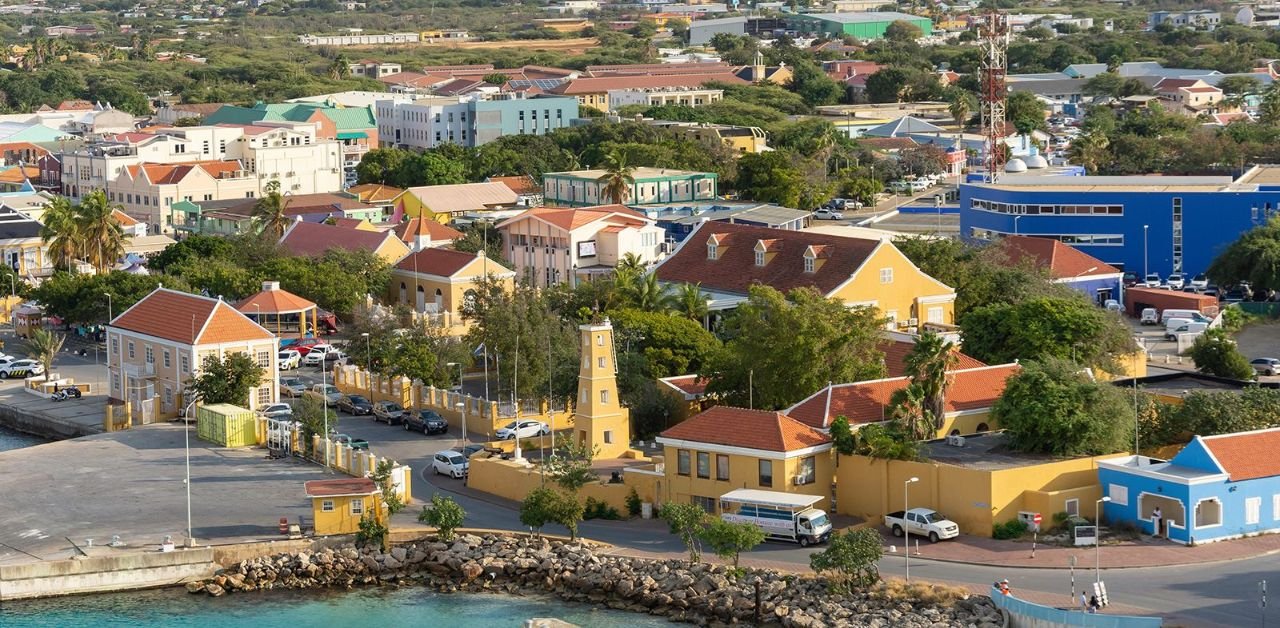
[1084, 602]
[1093, 604]
[1004, 586]
[1156, 520]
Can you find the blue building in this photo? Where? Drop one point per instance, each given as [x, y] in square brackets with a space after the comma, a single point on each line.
[1139, 224]
[1216, 488]
[680, 220]
[1071, 267]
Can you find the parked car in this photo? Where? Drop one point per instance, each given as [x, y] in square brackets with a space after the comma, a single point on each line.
[328, 392]
[1177, 281]
[1130, 279]
[450, 463]
[919, 185]
[21, 368]
[289, 359]
[922, 521]
[355, 404]
[1149, 317]
[900, 187]
[351, 441]
[828, 214]
[292, 387]
[276, 411]
[1188, 328]
[1232, 296]
[426, 421]
[1152, 280]
[1113, 305]
[1266, 366]
[305, 345]
[315, 358]
[1200, 281]
[526, 429]
[388, 412]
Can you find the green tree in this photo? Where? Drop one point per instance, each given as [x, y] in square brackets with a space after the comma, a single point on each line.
[842, 436]
[851, 556]
[315, 417]
[229, 380]
[1026, 112]
[690, 302]
[101, 238]
[1068, 327]
[1215, 353]
[670, 345]
[270, 211]
[1254, 257]
[928, 364]
[380, 165]
[444, 514]
[43, 346]
[1207, 413]
[429, 168]
[59, 232]
[961, 104]
[647, 295]
[538, 508]
[1055, 407]
[1269, 107]
[390, 498]
[728, 540]
[1107, 84]
[496, 78]
[340, 67]
[886, 442]
[570, 464]
[1239, 84]
[887, 85]
[825, 341]
[901, 31]
[863, 190]
[813, 85]
[909, 408]
[687, 521]
[771, 177]
[566, 510]
[617, 178]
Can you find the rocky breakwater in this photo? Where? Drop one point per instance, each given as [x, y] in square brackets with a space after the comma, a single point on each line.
[702, 594]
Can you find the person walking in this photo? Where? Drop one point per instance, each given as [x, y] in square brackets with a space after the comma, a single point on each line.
[1084, 602]
[1093, 604]
[1156, 520]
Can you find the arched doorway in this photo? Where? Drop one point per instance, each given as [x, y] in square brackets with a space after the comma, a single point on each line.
[404, 293]
[422, 300]
[983, 427]
[439, 300]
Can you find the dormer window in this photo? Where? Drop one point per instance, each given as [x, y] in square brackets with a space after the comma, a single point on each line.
[711, 251]
[759, 258]
[808, 263]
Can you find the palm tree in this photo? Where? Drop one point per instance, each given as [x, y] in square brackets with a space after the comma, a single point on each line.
[630, 263]
[617, 178]
[1090, 150]
[908, 407]
[44, 346]
[339, 68]
[650, 296]
[690, 302]
[269, 211]
[98, 232]
[961, 107]
[928, 365]
[59, 231]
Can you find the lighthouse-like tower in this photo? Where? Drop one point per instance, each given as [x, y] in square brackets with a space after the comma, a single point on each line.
[600, 421]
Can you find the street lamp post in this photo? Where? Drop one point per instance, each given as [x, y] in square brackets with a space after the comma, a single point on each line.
[368, 363]
[1015, 224]
[462, 408]
[186, 438]
[906, 533]
[109, 316]
[1097, 539]
[1144, 252]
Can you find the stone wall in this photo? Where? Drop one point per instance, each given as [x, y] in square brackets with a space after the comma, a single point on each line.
[575, 572]
[104, 573]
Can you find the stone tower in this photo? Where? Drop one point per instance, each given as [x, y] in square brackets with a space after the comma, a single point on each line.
[600, 420]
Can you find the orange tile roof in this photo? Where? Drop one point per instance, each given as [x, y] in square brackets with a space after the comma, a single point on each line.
[867, 402]
[523, 184]
[750, 429]
[570, 219]
[1061, 260]
[432, 229]
[188, 319]
[340, 487]
[169, 174]
[375, 192]
[895, 358]
[274, 301]
[598, 85]
[436, 261]
[124, 219]
[312, 239]
[19, 174]
[691, 385]
[1245, 456]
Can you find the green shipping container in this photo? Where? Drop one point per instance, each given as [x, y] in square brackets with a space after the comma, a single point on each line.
[227, 425]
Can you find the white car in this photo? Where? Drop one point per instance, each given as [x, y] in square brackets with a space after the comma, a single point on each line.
[450, 463]
[21, 368]
[1200, 281]
[1177, 281]
[828, 214]
[289, 359]
[315, 358]
[526, 429]
[1152, 280]
[276, 411]
[921, 521]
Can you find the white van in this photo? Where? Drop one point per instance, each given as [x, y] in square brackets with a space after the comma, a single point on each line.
[1186, 328]
[1188, 314]
[1175, 323]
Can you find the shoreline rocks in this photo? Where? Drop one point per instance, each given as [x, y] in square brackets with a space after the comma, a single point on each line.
[702, 594]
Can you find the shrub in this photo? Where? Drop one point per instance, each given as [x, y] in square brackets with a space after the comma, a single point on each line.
[1008, 530]
[633, 503]
[444, 514]
[371, 531]
[849, 559]
[598, 509]
[897, 591]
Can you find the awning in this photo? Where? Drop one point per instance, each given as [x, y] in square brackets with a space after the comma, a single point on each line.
[352, 135]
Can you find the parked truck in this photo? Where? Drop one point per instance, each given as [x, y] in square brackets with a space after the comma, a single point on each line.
[922, 521]
[782, 516]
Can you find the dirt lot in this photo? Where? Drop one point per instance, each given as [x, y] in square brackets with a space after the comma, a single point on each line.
[1259, 341]
[568, 46]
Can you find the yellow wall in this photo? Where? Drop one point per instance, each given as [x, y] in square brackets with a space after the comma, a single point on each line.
[901, 295]
[966, 423]
[975, 499]
[601, 421]
[340, 520]
[392, 250]
[514, 481]
[597, 100]
[413, 207]
[744, 472]
[1132, 365]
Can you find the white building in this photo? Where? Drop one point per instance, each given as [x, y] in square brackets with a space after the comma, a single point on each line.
[550, 246]
[358, 39]
[656, 96]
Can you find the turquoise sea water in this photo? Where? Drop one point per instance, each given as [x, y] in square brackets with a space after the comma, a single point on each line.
[10, 439]
[371, 607]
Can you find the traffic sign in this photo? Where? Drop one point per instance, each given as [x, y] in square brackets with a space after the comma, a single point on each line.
[1036, 519]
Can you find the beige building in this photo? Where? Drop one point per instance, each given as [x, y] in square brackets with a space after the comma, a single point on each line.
[436, 282]
[158, 345]
[550, 245]
[658, 96]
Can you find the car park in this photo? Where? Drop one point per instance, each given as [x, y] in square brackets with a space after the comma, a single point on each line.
[21, 368]
[426, 421]
[388, 412]
[289, 359]
[1266, 366]
[825, 213]
[292, 387]
[276, 411]
[1177, 281]
[1187, 328]
[316, 358]
[355, 404]
[351, 441]
[524, 429]
[450, 463]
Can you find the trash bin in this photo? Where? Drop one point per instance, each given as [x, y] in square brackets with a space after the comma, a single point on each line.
[646, 510]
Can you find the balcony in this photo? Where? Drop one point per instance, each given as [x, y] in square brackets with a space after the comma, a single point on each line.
[140, 371]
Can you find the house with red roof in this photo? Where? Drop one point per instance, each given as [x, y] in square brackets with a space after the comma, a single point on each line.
[156, 346]
[727, 259]
[1216, 488]
[436, 282]
[424, 233]
[1189, 94]
[551, 245]
[727, 448]
[1066, 265]
[312, 239]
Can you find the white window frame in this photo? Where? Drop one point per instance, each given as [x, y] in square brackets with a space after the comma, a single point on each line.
[809, 264]
[711, 251]
[604, 396]
[357, 507]
[1072, 507]
[936, 314]
[1252, 511]
[1119, 494]
[1275, 507]
[886, 275]
[759, 258]
[326, 505]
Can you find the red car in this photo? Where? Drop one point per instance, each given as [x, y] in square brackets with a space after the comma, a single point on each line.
[303, 346]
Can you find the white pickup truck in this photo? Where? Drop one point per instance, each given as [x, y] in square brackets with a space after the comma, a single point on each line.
[922, 521]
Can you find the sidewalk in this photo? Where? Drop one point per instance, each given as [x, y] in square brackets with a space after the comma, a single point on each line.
[1146, 552]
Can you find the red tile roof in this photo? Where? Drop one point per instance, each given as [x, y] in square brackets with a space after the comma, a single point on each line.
[75, 105]
[413, 79]
[124, 219]
[274, 301]
[414, 227]
[522, 184]
[658, 69]
[570, 219]
[750, 429]
[691, 385]
[895, 358]
[312, 239]
[170, 174]
[1247, 455]
[340, 487]
[1062, 261]
[436, 261]
[867, 402]
[1175, 83]
[734, 269]
[598, 85]
[188, 319]
[349, 223]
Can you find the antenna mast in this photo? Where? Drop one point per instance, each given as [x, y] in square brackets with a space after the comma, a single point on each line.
[994, 35]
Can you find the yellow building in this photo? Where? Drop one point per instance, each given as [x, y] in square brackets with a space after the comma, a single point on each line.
[435, 282]
[970, 395]
[443, 203]
[727, 259]
[338, 505]
[600, 419]
[976, 485]
[727, 448]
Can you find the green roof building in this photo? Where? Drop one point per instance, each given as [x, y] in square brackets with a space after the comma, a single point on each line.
[858, 25]
[355, 127]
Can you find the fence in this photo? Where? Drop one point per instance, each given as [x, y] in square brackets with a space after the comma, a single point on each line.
[1024, 614]
[1269, 309]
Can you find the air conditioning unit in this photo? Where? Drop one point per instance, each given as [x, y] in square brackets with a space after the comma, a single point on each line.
[913, 322]
[799, 480]
[955, 441]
